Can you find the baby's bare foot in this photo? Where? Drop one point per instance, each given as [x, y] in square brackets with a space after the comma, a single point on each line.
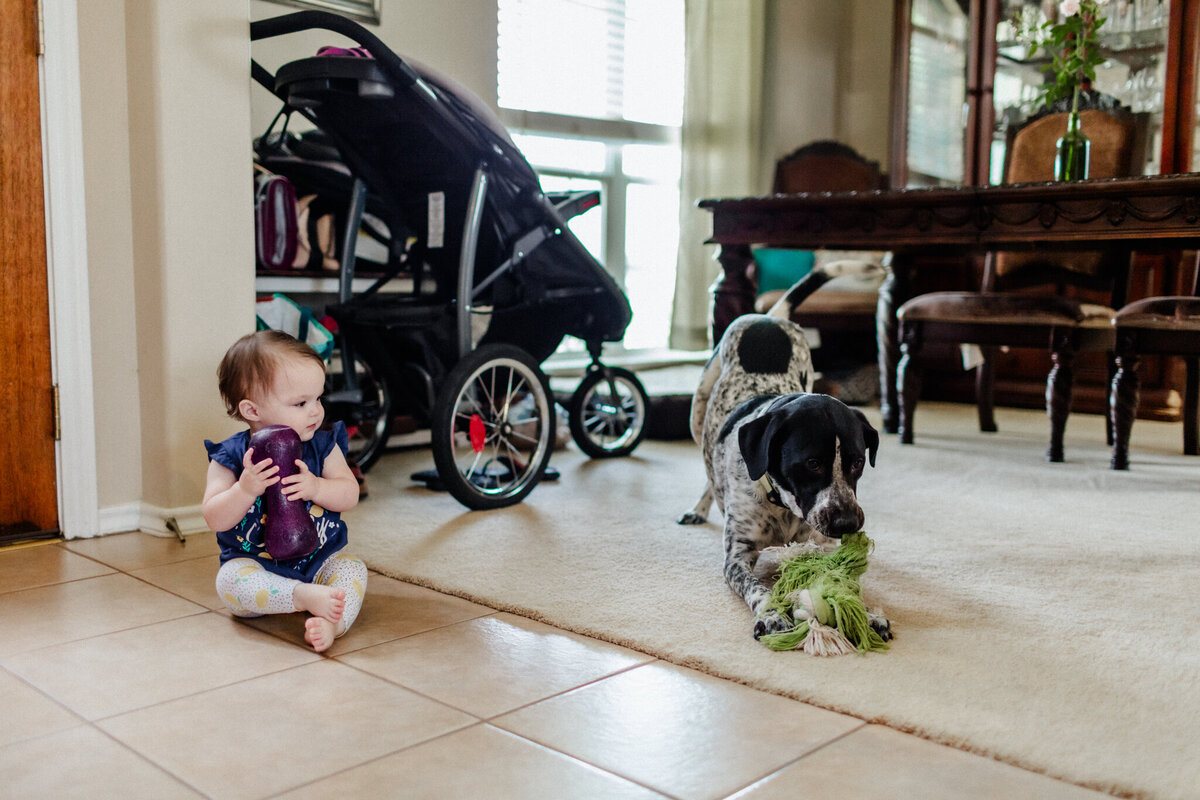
[321, 601]
[320, 633]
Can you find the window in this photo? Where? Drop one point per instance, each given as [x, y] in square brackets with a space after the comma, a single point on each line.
[592, 91]
[936, 88]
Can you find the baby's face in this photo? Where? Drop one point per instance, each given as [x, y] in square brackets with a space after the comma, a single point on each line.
[295, 398]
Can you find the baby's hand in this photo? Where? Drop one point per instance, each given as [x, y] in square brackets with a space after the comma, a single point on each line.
[256, 478]
[302, 485]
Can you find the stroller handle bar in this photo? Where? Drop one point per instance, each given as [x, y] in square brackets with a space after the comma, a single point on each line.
[395, 67]
[310, 20]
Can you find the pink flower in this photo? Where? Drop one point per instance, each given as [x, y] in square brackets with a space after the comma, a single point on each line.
[1068, 7]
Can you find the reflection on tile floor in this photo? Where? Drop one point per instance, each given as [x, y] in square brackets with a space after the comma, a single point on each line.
[122, 676]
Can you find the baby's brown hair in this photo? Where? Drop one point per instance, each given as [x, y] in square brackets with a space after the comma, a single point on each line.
[249, 365]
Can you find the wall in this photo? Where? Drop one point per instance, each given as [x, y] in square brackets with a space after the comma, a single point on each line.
[828, 76]
[108, 192]
[865, 80]
[192, 228]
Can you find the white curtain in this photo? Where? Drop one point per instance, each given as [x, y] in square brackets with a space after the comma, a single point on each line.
[721, 142]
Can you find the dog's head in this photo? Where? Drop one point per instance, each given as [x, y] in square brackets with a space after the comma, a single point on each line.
[813, 448]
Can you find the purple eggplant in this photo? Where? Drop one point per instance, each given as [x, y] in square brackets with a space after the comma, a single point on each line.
[290, 532]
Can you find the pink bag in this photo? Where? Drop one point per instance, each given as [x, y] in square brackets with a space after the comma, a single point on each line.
[274, 221]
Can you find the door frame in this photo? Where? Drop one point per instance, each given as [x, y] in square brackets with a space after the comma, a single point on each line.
[67, 266]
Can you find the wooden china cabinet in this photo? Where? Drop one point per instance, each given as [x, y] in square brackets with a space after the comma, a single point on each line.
[963, 81]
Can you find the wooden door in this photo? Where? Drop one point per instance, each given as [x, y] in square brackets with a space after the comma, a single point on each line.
[28, 491]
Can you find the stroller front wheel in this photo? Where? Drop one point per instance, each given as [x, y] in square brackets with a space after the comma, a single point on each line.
[607, 414]
[493, 427]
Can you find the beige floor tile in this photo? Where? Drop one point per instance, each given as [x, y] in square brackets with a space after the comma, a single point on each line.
[65, 612]
[392, 609]
[283, 730]
[494, 664]
[28, 713]
[678, 731]
[875, 761]
[479, 762]
[83, 763]
[194, 579]
[105, 675]
[28, 567]
[129, 551]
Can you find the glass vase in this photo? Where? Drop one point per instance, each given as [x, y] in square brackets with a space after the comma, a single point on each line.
[1074, 150]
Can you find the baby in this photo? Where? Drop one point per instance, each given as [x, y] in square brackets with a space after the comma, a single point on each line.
[269, 378]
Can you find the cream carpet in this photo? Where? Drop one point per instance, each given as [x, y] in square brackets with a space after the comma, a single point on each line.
[1046, 614]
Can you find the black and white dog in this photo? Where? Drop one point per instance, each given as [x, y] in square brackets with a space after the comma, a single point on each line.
[783, 464]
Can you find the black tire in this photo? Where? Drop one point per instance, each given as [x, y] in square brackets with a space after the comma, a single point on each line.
[608, 412]
[485, 457]
[369, 421]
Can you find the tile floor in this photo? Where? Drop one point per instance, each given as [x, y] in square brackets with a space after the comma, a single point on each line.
[120, 676]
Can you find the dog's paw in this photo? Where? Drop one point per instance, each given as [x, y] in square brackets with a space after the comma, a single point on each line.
[691, 518]
[771, 622]
[881, 625]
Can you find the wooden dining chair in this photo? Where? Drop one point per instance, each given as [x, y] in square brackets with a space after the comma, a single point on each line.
[1156, 325]
[1024, 299]
[843, 312]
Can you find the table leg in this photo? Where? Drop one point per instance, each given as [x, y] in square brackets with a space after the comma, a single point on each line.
[892, 293]
[1059, 387]
[735, 289]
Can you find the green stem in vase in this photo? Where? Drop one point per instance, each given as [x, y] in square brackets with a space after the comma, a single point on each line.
[1074, 148]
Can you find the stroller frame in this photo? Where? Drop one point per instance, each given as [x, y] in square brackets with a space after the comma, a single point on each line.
[607, 411]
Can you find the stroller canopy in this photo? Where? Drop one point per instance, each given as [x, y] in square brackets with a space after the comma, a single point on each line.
[419, 141]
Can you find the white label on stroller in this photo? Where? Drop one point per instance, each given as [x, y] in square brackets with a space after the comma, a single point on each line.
[437, 219]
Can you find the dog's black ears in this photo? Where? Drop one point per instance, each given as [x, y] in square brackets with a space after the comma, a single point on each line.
[870, 435]
[754, 440]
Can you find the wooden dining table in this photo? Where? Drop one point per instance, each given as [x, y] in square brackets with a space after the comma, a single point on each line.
[1144, 214]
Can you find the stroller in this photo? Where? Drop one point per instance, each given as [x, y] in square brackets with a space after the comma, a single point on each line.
[491, 279]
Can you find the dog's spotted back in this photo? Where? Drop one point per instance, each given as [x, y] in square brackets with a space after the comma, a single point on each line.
[765, 348]
[757, 355]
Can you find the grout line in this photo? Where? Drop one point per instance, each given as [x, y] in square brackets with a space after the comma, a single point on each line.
[102, 634]
[18, 677]
[571, 690]
[789, 764]
[201, 692]
[84, 722]
[463, 710]
[146, 758]
[579, 760]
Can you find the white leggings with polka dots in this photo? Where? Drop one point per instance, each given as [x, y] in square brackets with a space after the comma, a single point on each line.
[250, 590]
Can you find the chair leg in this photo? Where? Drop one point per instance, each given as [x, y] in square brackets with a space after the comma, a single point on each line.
[908, 387]
[1109, 433]
[1191, 407]
[985, 381]
[1059, 387]
[894, 288]
[1122, 407]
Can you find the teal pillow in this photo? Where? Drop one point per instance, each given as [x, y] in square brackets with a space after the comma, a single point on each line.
[779, 269]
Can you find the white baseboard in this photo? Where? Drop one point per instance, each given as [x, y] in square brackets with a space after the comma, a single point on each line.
[151, 519]
[119, 519]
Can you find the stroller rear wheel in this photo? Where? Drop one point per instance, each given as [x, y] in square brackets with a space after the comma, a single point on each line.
[493, 427]
[608, 412]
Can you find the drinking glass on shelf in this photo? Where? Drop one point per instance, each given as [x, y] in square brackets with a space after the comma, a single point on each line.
[1120, 17]
[1151, 14]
